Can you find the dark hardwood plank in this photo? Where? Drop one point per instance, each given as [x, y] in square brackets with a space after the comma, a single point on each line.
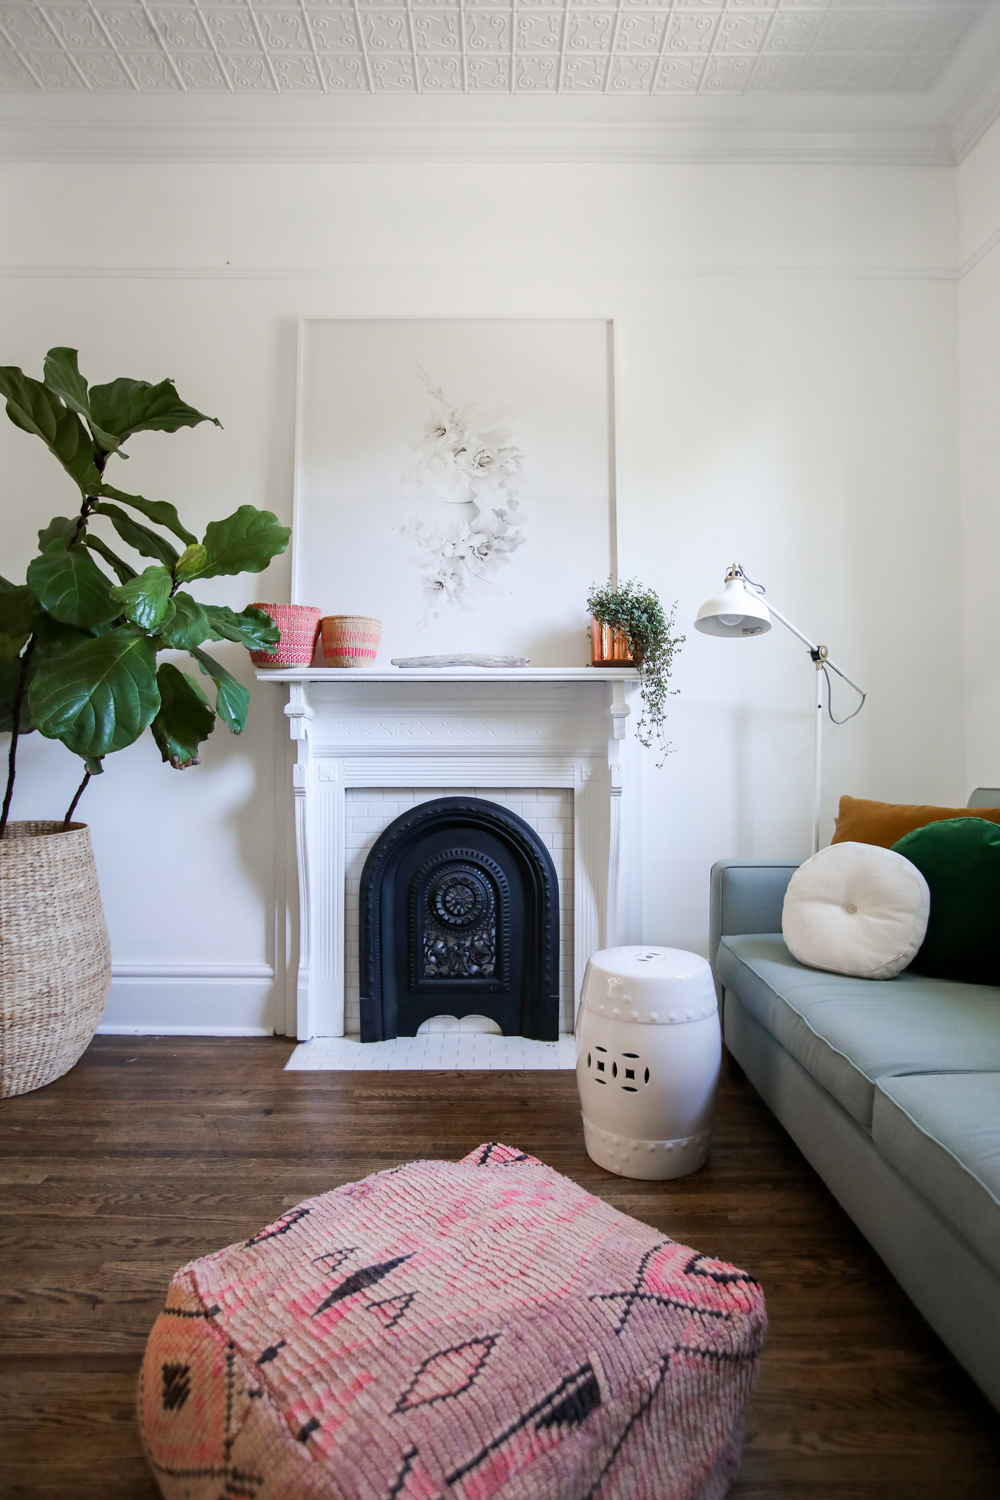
[156, 1150]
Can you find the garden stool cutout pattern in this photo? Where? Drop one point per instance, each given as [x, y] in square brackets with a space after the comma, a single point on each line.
[452, 1331]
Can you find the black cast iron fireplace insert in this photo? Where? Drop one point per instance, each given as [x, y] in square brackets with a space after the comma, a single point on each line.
[459, 915]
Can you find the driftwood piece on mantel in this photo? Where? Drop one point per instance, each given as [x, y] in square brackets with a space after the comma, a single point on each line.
[461, 660]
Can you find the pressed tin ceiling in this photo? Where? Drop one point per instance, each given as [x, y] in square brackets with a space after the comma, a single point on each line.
[617, 48]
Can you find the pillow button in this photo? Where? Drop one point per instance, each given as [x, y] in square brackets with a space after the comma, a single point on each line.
[852, 910]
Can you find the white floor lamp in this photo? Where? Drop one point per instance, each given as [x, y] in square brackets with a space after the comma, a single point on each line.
[740, 611]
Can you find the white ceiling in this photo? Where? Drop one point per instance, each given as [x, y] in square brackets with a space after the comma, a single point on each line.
[615, 47]
[893, 80]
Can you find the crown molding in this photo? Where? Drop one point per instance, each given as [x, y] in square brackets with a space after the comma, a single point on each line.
[339, 271]
[976, 115]
[970, 90]
[808, 130]
[573, 141]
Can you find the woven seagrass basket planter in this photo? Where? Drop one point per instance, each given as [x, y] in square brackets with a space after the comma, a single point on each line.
[55, 959]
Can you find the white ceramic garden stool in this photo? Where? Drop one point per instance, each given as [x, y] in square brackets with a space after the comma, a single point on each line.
[648, 1053]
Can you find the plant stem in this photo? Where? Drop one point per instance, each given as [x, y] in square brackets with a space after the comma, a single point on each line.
[72, 807]
[15, 731]
[81, 522]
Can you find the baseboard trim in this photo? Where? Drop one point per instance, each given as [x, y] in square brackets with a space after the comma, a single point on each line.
[191, 1000]
[109, 1030]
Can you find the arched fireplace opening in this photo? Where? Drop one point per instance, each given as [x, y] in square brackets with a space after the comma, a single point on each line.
[459, 915]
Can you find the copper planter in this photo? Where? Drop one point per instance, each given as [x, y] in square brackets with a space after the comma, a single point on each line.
[609, 647]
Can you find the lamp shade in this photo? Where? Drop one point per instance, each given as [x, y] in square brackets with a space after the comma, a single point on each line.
[737, 611]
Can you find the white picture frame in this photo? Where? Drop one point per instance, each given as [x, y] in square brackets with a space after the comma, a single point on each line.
[455, 478]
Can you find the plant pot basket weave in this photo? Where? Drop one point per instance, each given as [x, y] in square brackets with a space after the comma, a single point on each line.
[55, 959]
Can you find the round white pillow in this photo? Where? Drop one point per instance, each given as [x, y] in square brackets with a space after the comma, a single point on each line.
[856, 909]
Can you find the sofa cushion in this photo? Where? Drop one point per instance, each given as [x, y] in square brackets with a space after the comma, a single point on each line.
[942, 1132]
[856, 909]
[863, 822]
[960, 860]
[847, 1033]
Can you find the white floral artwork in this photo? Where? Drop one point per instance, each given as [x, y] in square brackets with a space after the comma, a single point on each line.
[454, 477]
[465, 462]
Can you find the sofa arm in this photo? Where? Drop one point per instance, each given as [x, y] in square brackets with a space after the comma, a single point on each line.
[747, 896]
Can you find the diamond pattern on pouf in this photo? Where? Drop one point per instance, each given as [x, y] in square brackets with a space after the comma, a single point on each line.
[471, 1329]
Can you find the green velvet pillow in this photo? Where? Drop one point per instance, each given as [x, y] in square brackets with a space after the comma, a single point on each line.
[960, 860]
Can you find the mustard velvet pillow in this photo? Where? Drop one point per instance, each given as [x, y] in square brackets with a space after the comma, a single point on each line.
[862, 822]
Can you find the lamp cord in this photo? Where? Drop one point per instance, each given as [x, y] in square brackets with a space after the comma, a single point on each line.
[829, 696]
[825, 669]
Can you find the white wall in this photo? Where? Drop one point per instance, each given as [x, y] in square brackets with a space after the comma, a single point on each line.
[786, 396]
[979, 326]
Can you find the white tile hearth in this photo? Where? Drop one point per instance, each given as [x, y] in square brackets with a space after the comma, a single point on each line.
[470, 1052]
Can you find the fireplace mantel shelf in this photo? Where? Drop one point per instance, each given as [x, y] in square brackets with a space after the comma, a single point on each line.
[448, 674]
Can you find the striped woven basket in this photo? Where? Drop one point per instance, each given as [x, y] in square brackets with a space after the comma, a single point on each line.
[350, 640]
[299, 626]
[55, 959]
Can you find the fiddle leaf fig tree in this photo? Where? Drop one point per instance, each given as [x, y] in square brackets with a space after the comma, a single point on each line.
[78, 647]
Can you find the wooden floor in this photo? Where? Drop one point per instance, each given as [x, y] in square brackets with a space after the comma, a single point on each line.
[153, 1151]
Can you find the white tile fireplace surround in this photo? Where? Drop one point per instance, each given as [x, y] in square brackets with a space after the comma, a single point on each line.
[551, 744]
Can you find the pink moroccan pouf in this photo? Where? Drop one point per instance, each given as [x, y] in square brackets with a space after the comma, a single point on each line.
[452, 1329]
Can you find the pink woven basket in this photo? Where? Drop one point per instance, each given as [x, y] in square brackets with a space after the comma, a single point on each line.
[299, 626]
[350, 640]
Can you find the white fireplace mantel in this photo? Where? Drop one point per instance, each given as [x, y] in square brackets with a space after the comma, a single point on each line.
[563, 727]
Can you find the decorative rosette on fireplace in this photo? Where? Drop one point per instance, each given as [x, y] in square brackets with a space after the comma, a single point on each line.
[459, 925]
[459, 914]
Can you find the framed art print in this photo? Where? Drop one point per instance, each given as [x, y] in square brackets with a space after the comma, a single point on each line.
[455, 478]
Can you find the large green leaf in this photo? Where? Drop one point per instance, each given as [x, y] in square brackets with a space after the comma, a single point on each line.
[160, 511]
[18, 608]
[34, 408]
[54, 640]
[11, 646]
[145, 542]
[62, 375]
[232, 700]
[59, 526]
[184, 720]
[99, 697]
[126, 406]
[10, 672]
[188, 627]
[145, 599]
[244, 542]
[71, 587]
[252, 628]
[124, 570]
[18, 612]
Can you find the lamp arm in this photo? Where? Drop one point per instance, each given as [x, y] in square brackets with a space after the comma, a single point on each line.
[811, 645]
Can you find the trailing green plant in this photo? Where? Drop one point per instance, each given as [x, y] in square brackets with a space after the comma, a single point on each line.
[639, 614]
[78, 650]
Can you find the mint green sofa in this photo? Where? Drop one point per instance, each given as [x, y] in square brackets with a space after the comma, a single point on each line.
[891, 1090]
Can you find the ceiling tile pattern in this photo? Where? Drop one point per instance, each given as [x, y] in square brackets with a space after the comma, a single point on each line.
[599, 47]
